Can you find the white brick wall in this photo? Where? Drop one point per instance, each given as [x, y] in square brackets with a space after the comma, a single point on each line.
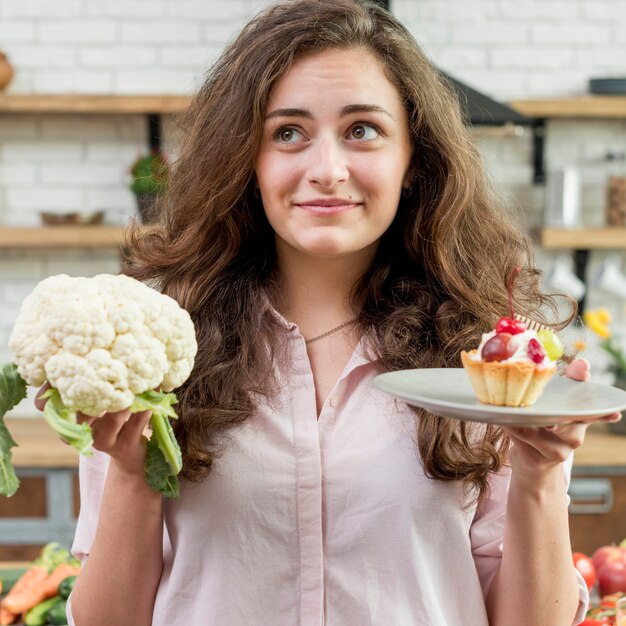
[529, 48]
[508, 49]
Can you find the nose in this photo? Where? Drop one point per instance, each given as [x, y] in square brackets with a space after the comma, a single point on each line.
[328, 166]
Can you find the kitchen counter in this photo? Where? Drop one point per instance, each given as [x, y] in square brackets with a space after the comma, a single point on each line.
[601, 449]
[39, 446]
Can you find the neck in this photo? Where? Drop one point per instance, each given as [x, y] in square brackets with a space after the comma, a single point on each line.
[315, 292]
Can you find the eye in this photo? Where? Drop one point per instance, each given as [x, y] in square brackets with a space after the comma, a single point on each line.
[287, 134]
[364, 132]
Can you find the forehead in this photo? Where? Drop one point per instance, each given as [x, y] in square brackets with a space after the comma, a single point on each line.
[338, 76]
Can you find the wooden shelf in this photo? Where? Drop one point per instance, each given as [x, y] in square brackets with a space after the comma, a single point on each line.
[582, 106]
[61, 237]
[77, 103]
[38, 445]
[583, 238]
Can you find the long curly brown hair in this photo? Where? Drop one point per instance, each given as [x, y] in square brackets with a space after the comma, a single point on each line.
[439, 277]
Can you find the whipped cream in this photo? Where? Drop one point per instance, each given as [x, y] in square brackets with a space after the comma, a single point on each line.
[520, 341]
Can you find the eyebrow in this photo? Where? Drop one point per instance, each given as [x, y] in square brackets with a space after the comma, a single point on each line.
[347, 110]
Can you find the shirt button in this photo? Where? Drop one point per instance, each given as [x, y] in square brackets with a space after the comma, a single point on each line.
[334, 401]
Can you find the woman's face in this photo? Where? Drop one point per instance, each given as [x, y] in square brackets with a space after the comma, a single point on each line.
[334, 155]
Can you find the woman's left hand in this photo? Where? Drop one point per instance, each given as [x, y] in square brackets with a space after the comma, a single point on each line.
[535, 449]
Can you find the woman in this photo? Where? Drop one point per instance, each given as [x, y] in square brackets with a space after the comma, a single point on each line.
[329, 220]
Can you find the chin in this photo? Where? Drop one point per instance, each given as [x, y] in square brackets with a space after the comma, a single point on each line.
[326, 248]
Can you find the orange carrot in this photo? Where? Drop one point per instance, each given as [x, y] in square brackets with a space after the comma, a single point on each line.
[36, 585]
[25, 592]
[6, 617]
[50, 586]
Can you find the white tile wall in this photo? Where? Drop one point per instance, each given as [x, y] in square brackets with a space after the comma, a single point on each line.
[509, 49]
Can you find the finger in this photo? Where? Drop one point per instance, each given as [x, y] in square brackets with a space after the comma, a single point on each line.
[578, 369]
[552, 444]
[572, 435]
[131, 436]
[136, 424]
[39, 403]
[106, 429]
[610, 419]
[81, 418]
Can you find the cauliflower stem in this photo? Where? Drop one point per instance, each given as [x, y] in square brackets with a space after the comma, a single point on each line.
[163, 458]
[63, 421]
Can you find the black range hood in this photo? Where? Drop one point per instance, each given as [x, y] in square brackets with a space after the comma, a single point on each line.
[481, 110]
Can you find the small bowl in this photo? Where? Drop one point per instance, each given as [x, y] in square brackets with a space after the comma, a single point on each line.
[87, 218]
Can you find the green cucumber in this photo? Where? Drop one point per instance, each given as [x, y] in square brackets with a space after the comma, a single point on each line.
[66, 586]
[56, 615]
[38, 615]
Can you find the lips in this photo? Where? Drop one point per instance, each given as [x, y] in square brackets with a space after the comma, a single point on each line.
[327, 206]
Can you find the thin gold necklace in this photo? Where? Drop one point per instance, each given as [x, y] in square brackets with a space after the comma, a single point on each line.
[332, 331]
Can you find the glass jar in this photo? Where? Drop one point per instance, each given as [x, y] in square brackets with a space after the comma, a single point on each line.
[616, 189]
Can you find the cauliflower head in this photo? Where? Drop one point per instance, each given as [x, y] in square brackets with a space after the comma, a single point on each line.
[100, 341]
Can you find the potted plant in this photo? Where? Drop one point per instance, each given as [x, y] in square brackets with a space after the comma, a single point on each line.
[150, 175]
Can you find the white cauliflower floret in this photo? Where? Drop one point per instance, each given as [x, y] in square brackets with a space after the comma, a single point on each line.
[100, 341]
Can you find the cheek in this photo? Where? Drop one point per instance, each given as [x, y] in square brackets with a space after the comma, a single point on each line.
[385, 173]
[384, 186]
[275, 176]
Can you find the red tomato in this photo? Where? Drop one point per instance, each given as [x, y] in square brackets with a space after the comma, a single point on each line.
[612, 577]
[585, 566]
[595, 622]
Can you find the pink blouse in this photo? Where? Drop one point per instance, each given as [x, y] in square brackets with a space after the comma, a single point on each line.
[328, 521]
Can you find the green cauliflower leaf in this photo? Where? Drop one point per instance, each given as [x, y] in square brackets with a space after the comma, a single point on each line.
[12, 391]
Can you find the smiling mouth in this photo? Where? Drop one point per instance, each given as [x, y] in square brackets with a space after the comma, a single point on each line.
[327, 206]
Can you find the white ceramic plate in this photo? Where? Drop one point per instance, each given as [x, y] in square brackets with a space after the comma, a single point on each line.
[448, 392]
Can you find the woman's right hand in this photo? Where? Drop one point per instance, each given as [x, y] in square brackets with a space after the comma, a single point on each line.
[122, 435]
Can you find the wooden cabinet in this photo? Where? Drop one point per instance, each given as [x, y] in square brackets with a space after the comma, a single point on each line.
[598, 491]
[46, 505]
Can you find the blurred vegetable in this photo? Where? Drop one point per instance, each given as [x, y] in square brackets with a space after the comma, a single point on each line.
[33, 587]
[9, 577]
[51, 584]
[38, 615]
[66, 586]
[6, 617]
[607, 553]
[585, 566]
[612, 577]
[57, 613]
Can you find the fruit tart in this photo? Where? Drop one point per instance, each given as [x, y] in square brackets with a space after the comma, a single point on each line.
[513, 364]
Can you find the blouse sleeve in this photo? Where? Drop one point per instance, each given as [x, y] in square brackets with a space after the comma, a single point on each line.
[92, 473]
[487, 534]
